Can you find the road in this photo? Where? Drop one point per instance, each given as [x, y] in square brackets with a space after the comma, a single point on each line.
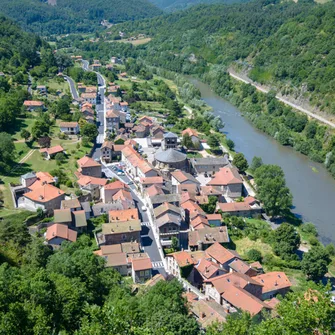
[283, 100]
[73, 88]
[148, 240]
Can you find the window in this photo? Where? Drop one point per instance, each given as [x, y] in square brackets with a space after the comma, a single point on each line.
[141, 273]
[147, 272]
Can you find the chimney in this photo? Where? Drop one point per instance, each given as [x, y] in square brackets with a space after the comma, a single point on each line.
[203, 315]
[130, 228]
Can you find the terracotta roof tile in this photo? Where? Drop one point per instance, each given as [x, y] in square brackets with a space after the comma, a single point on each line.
[220, 253]
[226, 176]
[87, 162]
[60, 230]
[53, 150]
[273, 281]
[141, 264]
[44, 193]
[123, 215]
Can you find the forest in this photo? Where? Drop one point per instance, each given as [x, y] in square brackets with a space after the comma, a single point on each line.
[70, 16]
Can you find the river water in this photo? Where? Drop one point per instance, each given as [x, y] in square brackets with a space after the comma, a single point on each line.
[313, 192]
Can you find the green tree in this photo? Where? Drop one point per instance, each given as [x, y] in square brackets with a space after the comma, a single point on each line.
[209, 207]
[25, 134]
[315, 262]
[90, 131]
[60, 157]
[39, 129]
[256, 163]
[187, 141]
[213, 141]
[7, 151]
[174, 243]
[240, 162]
[255, 255]
[286, 241]
[272, 191]
[230, 144]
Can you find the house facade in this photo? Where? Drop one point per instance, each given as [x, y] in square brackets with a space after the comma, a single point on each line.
[69, 128]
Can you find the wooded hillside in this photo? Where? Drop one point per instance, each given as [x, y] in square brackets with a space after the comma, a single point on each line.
[69, 16]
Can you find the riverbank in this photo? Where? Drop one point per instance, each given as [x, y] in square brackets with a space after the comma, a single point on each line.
[313, 193]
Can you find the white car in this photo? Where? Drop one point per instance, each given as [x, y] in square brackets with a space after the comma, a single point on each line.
[144, 208]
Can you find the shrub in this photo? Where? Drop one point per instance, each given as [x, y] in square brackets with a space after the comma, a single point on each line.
[255, 255]
[314, 241]
[309, 228]
[69, 183]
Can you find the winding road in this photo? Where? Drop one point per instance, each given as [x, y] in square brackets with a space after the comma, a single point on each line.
[280, 98]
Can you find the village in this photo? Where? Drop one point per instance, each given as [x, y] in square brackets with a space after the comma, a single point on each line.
[161, 205]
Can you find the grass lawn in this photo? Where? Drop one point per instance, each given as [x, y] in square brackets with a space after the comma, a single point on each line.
[135, 42]
[245, 244]
[22, 123]
[194, 155]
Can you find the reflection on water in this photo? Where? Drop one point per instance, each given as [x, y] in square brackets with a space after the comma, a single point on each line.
[314, 193]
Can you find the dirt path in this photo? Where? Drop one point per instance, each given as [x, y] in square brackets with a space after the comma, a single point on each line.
[27, 156]
[285, 101]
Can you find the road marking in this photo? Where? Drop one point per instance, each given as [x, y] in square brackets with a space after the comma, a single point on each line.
[157, 265]
[146, 223]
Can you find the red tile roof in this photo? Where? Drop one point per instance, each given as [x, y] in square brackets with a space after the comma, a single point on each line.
[68, 124]
[45, 193]
[206, 268]
[221, 254]
[152, 180]
[116, 185]
[154, 190]
[273, 281]
[226, 176]
[140, 264]
[86, 180]
[53, 150]
[191, 132]
[34, 103]
[60, 230]
[123, 215]
[87, 162]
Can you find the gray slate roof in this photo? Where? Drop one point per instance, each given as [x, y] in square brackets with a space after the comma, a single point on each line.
[160, 198]
[29, 175]
[102, 208]
[222, 161]
[170, 156]
[170, 135]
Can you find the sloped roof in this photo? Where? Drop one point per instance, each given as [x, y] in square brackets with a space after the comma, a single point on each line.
[170, 156]
[168, 218]
[60, 230]
[80, 219]
[53, 150]
[226, 176]
[44, 193]
[62, 215]
[208, 235]
[220, 253]
[182, 176]
[141, 264]
[273, 281]
[87, 162]
[170, 135]
[166, 207]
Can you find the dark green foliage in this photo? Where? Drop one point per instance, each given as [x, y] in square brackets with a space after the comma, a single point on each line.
[209, 207]
[256, 163]
[315, 262]
[254, 255]
[230, 144]
[286, 241]
[240, 162]
[7, 149]
[89, 131]
[70, 16]
[272, 190]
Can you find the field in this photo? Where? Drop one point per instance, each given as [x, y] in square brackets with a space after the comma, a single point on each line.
[135, 42]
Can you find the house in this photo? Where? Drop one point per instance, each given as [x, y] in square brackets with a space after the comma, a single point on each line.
[111, 152]
[157, 132]
[87, 166]
[170, 141]
[237, 290]
[181, 177]
[72, 204]
[33, 180]
[112, 120]
[49, 153]
[273, 283]
[159, 199]
[201, 239]
[123, 215]
[124, 106]
[80, 221]
[47, 197]
[208, 165]
[199, 222]
[249, 207]
[102, 208]
[229, 181]
[96, 66]
[214, 220]
[63, 216]
[86, 206]
[146, 119]
[32, 105]
[42, 89]
[192, 210]
[237, 265]
[91, 185]
[222, 256]
[117, 261]
[89, 97]
[206, 312]
[141, 269]
[178, 261]
[57, 233]
[150, 181]
[212, 191]
[125, 198]
[168, 226]
[109, 190]
[69, 128]
[193, 134]
[204, 270]
[120, 232]
[141, 131]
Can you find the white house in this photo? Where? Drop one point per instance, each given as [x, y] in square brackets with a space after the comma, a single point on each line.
[69, 128]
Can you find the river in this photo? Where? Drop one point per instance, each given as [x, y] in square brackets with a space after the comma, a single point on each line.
[313, 192]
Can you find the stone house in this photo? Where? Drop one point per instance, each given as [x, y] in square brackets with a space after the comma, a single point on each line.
[89, 97]
[208, 165]
[229, 180]
[112, 120]
[109, 190]
[56, 234]
[121, 232]
[32, 105]
[249, 207]
[69, 128]
[49, 153]
[141, 269]
[87, 166]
